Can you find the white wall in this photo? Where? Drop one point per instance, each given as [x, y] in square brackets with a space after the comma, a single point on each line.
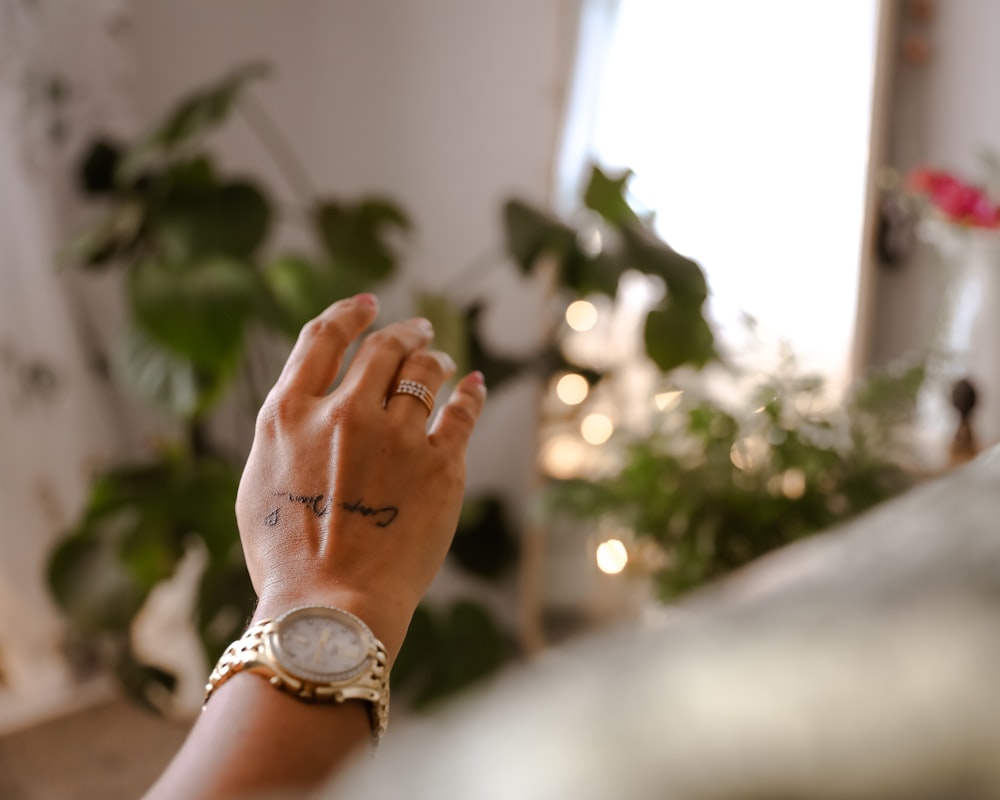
[449, 106]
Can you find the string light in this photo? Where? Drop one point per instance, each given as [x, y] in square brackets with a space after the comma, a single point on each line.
[563, 456]
[793, 483]
[611, 556]
[581, 315]
[572, 389]
[596, 428]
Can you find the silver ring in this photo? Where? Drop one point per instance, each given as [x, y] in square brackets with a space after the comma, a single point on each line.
[418, 390]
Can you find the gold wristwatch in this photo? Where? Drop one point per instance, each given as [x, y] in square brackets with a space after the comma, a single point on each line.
[319, 654]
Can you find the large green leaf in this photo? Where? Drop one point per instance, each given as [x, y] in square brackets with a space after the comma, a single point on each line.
[171, 381]
[448, 650]
[196, 310]
[225, 600]
[132, 536]
[87, 580]
[216, 219]
[677, 334]
[358, 235]
[684, 278]
[298, 288]
[485, 544]
[112, 236]
[606, 195]
[204, 498]
[531, 233]
[193, 116]
[585, 274]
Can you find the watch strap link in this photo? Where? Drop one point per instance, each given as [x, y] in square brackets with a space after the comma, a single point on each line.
[249, 653]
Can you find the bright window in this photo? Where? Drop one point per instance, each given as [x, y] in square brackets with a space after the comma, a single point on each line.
[747, 126]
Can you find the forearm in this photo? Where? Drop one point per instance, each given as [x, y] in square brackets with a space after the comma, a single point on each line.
[252, 738]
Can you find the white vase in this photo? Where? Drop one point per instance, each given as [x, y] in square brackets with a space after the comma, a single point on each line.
[965, 341]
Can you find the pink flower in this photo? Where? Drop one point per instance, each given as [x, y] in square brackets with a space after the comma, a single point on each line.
[960, 202]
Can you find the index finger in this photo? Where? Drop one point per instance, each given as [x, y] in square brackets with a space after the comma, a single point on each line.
[319, 351]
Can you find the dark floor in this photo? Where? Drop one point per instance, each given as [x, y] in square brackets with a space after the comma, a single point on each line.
[112, 751]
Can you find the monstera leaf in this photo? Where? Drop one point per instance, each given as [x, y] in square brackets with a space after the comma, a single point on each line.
[136, 527]
[299, 287]
[485, 543]
[196, 310]
[172, 382]
[198, 113]
[230, 219]
[607, 196]
[358, 235]
[531, 233]
[448, 649]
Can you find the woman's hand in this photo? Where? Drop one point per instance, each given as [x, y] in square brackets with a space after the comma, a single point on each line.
[346, 498]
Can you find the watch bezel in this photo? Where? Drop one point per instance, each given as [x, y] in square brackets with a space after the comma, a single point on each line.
[273, 643]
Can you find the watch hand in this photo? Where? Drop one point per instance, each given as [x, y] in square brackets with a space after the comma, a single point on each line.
[319, 645]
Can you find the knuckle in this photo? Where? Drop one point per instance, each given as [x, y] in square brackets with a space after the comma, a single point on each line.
[275, 414]
[324, 328]
[348, 411]
[426, 361]
[461, 415]
[388, 339]
[267, 421]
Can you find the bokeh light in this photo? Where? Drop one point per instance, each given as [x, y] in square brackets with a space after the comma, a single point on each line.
[581, 315]
[596, 428]
[793, 483]
[611, 556]
[563, 456]
[572, 389]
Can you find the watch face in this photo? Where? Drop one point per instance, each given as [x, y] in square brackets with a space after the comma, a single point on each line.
[321, 645]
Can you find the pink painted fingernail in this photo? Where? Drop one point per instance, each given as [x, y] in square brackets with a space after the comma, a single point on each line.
[426, 326]
[478, 378]
[367, 299]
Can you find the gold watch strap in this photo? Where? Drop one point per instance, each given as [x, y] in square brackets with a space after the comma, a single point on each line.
[250, 653]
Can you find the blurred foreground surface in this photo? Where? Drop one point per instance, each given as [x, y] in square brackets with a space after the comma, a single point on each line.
[113, 751]
[858, 664]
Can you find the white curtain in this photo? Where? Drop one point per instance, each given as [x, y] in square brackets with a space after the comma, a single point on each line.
[63, 78]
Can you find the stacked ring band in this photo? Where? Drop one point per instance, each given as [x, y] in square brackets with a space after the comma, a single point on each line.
[418, 390]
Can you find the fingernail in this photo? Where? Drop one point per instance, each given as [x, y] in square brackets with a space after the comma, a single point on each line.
[367, 299]
[425, 325]
[478, 379]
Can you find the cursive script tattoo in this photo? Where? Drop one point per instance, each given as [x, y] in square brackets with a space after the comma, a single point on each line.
[313, 502]
[271, 519]
[384, 516]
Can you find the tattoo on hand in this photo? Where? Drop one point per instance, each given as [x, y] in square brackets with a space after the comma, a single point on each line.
[271, 519]
[313, 502]
[384, 516]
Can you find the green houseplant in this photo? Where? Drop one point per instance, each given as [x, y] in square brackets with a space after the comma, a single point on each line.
[202, 280]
